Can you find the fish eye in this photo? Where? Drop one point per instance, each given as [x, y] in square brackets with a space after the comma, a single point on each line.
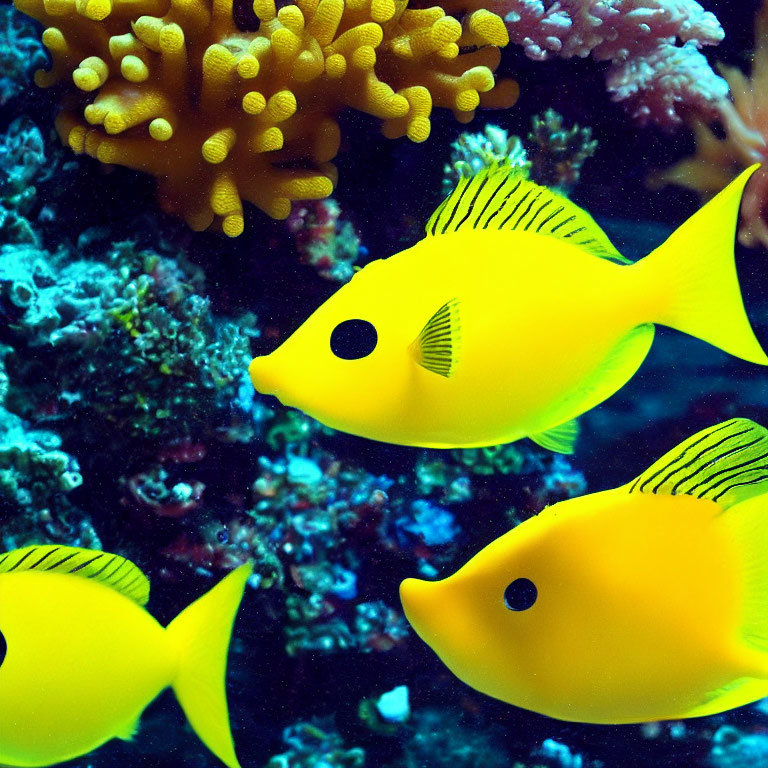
[3, 648]
[520, 595]
[353, 339]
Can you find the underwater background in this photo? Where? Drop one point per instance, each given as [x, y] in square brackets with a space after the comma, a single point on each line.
[128, 422]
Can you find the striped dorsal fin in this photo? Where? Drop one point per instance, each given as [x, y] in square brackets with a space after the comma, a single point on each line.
[503, 197]
[727, 463]
[111, 570]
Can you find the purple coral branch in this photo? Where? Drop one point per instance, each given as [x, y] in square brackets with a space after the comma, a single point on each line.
[653, 47]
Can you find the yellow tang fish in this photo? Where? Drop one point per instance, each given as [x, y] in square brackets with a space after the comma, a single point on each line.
[80, 658]
[646, 602]
[509, 319]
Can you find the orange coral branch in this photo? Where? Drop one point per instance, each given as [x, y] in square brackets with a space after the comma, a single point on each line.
[744, 121]
[175, 89]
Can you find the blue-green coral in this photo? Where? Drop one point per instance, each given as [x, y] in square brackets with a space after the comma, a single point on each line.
[551, 154]
[21, 52]
[129, 336]
[313, 745]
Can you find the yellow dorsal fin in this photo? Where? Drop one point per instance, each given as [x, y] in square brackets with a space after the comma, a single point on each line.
[111, 570]
[727, 463]
[503, 197]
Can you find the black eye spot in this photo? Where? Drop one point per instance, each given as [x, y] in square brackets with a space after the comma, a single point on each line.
[353, 339]
[520, 595]
[3, 648]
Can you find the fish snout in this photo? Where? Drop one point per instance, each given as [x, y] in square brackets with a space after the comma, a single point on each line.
[420, 602]
[264, 375]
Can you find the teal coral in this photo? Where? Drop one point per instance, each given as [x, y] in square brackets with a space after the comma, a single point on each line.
[23, 163]
[313, 745]
[558, 152]
[21, 52]
[131, 337]
[33, 468]
[472, 152]
[551, 154]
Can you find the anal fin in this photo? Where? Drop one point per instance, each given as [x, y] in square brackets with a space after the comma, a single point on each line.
[127, 732]
[560, 439]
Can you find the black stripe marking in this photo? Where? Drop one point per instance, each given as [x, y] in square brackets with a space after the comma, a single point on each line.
[472, 204]
[127, 587]
[674, 461]
[115, 583]
[503, 203]
[718, 457]
[86, 563]
[760, 479]
[488, 202]
[540, 209]
[514, 210]
[103, 568]
[527, 210]
[575, 232]
[111, 576]
[62, 561]
[455, 208]
[21, 560]
[47, 554]
[550, 217]
[562, 223]
[740, 471]
[438, 213]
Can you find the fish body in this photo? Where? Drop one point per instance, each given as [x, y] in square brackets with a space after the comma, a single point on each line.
[647, 604]
[82, 659]
[528, 329]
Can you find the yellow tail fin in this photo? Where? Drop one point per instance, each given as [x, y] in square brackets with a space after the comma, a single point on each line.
[201, 632]
[694, 273]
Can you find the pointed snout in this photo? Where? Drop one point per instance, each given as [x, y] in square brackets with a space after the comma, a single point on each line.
[419, 599]
[264, 375]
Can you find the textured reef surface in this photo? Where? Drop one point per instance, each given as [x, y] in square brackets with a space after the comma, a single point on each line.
[127, 420]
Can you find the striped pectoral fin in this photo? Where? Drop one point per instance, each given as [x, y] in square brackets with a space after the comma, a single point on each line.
[727, 464]
[436, 348]
[111, 570]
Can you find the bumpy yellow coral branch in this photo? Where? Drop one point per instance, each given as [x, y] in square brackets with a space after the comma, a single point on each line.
[221, 115]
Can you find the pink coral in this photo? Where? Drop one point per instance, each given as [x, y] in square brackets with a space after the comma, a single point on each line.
[652, 46]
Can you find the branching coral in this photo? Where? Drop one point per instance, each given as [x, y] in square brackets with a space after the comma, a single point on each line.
[174, 88]
[139, 319]
[20, 53]
[552, 154]
[744, 120]
[648, 70]
[316, 745]
[23, 163]
[325, 240]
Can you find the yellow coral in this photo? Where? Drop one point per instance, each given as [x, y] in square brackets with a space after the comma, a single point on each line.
[219, 114]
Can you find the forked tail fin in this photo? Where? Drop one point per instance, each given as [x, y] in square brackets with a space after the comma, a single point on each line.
[694, 273]
[201, 633]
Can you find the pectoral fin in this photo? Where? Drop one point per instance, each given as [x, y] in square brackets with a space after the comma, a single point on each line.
[436, 348]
